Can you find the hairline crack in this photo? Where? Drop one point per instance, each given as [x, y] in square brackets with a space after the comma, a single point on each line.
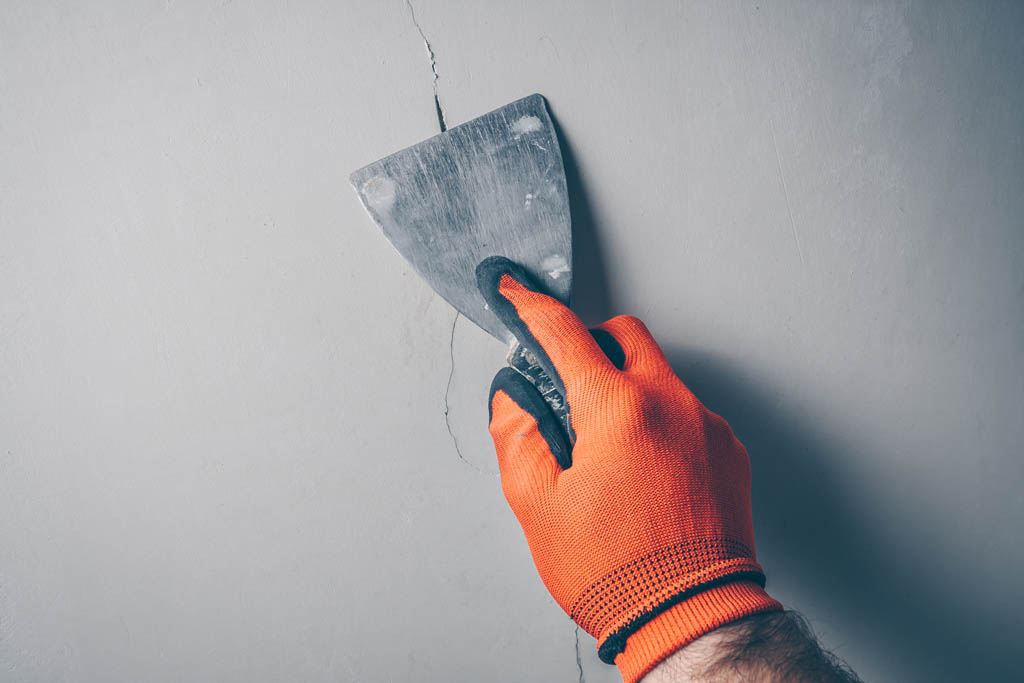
[447, 390]
[579, 660]
[433, 67]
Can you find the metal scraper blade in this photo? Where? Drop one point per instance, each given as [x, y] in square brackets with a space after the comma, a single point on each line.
[492, 186]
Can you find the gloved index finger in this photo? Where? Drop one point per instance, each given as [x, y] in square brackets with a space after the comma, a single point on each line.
[554, 334]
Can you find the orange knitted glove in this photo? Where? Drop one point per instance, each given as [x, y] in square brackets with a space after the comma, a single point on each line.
[646, 539]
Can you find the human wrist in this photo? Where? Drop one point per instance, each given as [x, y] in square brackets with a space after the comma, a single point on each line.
[689, 662]
[687, 621]
[769, 647]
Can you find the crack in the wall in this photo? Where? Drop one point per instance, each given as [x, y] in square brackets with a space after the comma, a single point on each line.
[579, 660]
[448, 387]
[785, 191]
[447, 390]
[433, 67]
[443, 126]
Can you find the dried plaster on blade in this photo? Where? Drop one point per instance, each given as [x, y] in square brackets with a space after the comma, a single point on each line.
[379, 192]
[520, 127]
[555, 266]
[524, 125]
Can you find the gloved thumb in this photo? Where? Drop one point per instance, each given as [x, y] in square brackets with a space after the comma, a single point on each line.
[530, 443]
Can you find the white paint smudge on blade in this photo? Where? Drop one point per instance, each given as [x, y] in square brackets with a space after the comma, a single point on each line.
[524, 125]
[555, 266]
[379, 192]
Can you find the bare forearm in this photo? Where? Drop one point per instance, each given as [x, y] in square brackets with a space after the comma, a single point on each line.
[774, 647]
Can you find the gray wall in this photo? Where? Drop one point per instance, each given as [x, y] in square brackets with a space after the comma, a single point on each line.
[223, 444]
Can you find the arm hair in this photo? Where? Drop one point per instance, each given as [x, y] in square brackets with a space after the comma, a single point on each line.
[777, 647]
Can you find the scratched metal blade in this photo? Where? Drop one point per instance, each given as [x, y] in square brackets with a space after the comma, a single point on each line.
[492, 186]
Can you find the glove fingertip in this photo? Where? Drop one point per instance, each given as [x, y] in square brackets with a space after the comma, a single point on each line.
[488, 279]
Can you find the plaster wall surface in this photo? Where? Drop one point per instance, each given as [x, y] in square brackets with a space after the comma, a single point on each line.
[241, 441]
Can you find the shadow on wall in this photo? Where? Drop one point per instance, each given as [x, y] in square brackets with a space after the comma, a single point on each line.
[803, 511]
[590, 276]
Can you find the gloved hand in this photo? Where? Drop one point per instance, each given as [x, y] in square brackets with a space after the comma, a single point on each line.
[646, 540]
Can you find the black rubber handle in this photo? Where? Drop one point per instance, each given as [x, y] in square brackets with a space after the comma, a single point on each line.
[525, 363]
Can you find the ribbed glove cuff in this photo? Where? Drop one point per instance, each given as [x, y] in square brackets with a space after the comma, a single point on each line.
[687, 621]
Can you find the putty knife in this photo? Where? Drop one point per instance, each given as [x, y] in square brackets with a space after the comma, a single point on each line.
[494, 186]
